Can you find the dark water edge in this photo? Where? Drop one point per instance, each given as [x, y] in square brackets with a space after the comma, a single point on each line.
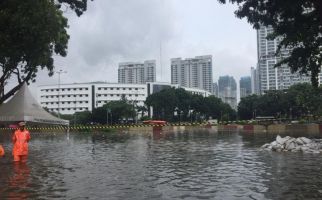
[180, 165]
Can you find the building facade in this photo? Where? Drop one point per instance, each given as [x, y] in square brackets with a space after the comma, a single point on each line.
[245, 86]
[137, 73]
[228, 90]
[254, 81]
[193, 72]
[79, 97]
[271, 78]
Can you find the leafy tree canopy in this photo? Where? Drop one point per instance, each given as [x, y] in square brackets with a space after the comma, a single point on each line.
[179, 105]
[298, 23]
[31, 32]
[296, 102]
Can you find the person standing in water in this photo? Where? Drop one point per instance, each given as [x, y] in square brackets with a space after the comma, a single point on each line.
[20, 141]
[1, 151]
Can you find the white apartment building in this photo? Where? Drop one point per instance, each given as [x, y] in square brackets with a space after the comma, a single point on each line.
[137, 73]
[192, 72]
[271, 78]
[78, 97]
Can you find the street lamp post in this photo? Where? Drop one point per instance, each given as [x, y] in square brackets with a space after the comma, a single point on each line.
[59, 73]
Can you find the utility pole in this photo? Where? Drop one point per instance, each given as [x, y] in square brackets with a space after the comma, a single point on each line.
[59, 73]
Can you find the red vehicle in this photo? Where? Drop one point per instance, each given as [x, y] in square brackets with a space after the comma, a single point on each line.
[155, 122]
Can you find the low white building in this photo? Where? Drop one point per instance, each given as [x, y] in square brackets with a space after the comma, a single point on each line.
[78, 97]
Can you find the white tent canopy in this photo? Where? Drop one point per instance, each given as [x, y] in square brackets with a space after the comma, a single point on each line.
[23, 107]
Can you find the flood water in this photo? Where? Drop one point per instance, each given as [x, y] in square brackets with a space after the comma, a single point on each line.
[199, 165]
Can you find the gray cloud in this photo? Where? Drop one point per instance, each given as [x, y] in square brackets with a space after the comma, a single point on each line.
[114, 31]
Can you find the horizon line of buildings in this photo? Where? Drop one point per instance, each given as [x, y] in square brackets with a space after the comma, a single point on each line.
[193, 74]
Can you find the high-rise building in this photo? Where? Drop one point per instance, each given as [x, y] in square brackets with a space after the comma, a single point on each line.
[137, 73]
[215, 89]
[192, 72]
[271, 78]
[245, 86]
[228, 90]
[254, 80]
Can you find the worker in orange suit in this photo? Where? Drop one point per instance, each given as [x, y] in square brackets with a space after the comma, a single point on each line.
[20, 141]
[1, 151]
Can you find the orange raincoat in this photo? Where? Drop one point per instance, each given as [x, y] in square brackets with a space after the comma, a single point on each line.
[20, 141]
[1, 151]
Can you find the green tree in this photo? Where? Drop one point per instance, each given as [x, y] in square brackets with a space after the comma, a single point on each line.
[247, 107]
[118, 111]
[84, 117]
[299, 100]
[179, 105]
[31, 32]
[142, 109]
[164, 104]
[298, 23]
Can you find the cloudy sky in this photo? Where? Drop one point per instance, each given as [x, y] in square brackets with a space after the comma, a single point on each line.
[113, 31]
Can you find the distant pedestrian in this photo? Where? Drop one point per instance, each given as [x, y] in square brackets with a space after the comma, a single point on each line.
[20, 141]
